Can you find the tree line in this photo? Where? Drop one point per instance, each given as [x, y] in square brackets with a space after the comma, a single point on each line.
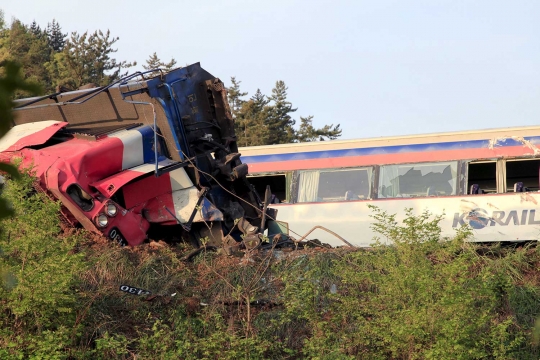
[59, 61]
[267, 120]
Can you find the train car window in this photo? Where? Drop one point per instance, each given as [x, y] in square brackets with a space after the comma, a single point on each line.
[334, 185]
[524, 173]
[414, 180]
[278, 186]
[484, 175]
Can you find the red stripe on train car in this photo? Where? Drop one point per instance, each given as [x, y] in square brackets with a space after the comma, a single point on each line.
[403, 158]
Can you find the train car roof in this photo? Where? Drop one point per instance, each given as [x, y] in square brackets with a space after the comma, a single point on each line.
[484, 134]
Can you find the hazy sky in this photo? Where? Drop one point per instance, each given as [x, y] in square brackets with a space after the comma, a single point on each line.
[378, 68]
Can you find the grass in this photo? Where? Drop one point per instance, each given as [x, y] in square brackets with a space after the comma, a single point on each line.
[420, 298]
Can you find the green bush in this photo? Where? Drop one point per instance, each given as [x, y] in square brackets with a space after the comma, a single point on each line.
[40, 303]
[420, 298]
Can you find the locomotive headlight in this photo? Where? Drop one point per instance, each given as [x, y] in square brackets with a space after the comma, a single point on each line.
[102, 220]
[111, 209]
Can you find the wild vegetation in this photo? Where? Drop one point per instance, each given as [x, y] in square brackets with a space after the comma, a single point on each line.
[421, 298]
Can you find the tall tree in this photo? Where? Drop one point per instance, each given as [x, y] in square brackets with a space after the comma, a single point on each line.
[264, 120]
[154, 62]
[36, 29]
[279, 122]
[250, 122]
[57, 39]
[21, 44]
[87, 59]
[235, 96]
[307, 132]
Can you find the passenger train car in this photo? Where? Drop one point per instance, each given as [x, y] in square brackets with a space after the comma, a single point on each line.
[488, 179]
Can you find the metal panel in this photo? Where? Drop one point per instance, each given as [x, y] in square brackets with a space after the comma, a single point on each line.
[30, 134]
[493, 217]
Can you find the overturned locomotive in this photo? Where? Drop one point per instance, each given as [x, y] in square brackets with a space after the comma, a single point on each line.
[144, 155]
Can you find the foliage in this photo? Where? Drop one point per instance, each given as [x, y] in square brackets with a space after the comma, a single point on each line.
[48, 58]
[40, 303]
[30, 49]
[250, 121]
[279, 122]
[87, 59]
[419, 298]
[235, 95]
[55, 36]
[267, 120]
[10, 82]
[307, 132]
[154, 62]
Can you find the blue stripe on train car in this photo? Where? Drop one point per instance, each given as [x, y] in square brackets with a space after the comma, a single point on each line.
[148, 143]
[382, 150]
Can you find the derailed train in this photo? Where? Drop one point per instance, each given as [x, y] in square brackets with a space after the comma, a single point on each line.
[146, 154]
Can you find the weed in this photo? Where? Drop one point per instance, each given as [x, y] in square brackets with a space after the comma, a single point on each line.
[419, 297]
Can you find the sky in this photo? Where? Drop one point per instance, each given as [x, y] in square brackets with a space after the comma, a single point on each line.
[378, 68]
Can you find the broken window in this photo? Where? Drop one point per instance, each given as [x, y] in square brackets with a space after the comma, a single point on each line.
[278, 186]
[413, 180]
[484, 176]
[522, 171]
[80, 197]
[334, 185]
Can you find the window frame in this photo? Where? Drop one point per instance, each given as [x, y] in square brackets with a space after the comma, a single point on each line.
[500, 177]
[288, 183]
[295, 182]
[504, 171]
[82, 199]
[458, 179]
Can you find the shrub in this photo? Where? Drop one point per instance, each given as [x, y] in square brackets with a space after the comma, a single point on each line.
[41, 302]
[418, 298]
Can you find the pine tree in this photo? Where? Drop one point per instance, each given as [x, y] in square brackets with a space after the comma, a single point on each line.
[266, 120]
[260, 100]
[235, 96]
[35, 29]
[87, 59]
[56, 37]
[250, 122]
[279, 122]
[154, 62]
[21, 44]
[307, 132]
